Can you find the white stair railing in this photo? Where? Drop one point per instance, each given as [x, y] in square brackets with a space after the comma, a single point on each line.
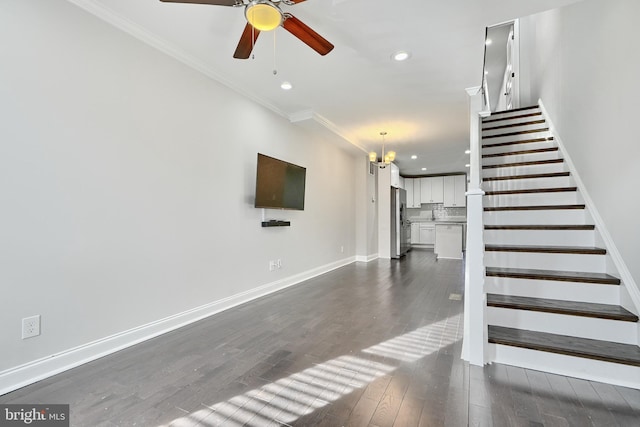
[474, 343]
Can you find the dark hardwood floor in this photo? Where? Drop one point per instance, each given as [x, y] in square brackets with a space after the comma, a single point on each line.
[374, 344]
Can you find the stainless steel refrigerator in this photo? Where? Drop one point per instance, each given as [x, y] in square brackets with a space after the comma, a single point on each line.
[400, 226]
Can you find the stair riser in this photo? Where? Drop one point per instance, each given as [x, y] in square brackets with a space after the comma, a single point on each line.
[524, 170]
[545, 261]
[551, 289]
[517, 147]
[509, 138]
[532, 199]
[576, 367]
[512, 113]
[534, 157]
[569, 216]
[527, 183]
[540, 237]
[521, 127]
[513, 121]
[561, 324]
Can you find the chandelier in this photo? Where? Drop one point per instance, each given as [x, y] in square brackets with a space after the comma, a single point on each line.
[385, 159]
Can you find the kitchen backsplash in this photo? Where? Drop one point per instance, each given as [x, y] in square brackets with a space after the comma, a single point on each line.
[439, 211]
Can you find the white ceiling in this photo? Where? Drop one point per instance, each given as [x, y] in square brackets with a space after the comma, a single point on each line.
[357, 90]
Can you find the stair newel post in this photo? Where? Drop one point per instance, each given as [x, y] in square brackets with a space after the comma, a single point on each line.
[475, 301]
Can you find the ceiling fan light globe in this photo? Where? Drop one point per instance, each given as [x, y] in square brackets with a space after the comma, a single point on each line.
[263, 15]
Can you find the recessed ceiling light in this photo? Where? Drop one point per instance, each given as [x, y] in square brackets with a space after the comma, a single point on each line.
[414, 157]
[401, 56]
[424, 169]
[467, 165]
[467, 152]
[286, 86]
[488, 42]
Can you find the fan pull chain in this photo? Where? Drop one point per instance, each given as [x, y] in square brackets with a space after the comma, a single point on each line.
[275, 68]
[253, 42]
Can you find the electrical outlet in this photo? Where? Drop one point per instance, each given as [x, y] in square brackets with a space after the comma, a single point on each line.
[31, 326]
[272, 265]
[342, 249]
[279, 264]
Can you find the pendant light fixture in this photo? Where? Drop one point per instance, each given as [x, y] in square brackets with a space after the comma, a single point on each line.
[385, 159]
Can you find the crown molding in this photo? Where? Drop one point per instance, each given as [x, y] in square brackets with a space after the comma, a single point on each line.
[100, 11]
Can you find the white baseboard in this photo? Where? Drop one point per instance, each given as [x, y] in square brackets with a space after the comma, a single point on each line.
[627, 279]
[37, 370]
[366, 258]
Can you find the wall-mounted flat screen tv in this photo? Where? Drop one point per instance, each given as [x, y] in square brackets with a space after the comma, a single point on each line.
[279, 184]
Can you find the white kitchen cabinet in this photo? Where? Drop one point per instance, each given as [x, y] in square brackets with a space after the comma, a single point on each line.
[395, 175]
[427, 234]
[412, 185]
[448, 243]
[415, 233]
[417, 200]
[432, 189]
[408, 186]
[455, 187]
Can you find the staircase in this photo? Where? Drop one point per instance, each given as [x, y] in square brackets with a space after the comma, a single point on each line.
[551, 305]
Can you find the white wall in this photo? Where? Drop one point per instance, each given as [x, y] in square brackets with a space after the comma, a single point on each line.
[582, 61]
[366, 210]
[127, 183]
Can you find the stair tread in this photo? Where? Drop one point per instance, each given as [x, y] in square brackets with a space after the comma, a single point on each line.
[581, 250]
[524, 141]
[627, 354]
[521, 132]
[572, 308]
[527, 176]
[519, 116]
[529, 163]
[531, 191]
[533, 208]
[517, 153]
[531, 107]
[560, 276]
[541, 227]
[512, 125]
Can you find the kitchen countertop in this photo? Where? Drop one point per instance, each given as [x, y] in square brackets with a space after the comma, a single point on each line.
[438, 221]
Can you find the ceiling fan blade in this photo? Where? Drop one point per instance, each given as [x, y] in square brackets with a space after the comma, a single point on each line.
[246, 43]
[213, 2]
[312, 39]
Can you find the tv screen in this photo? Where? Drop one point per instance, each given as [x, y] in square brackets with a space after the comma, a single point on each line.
[279, 184]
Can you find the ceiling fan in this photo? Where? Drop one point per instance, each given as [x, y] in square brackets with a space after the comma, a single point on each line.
[266, 15]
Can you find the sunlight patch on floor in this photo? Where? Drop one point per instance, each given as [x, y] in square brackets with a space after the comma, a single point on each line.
[290, 398]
